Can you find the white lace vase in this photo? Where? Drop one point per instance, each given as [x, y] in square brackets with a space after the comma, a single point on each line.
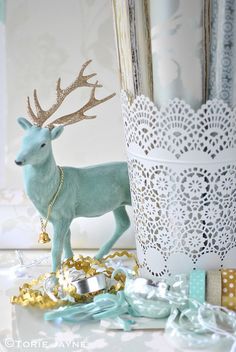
[182, 168]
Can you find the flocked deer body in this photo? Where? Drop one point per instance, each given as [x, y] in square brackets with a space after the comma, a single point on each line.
[86, 192]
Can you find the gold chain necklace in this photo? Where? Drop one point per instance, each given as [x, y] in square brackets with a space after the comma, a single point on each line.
[43, 236]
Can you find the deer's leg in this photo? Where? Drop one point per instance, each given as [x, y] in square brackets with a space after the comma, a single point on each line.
[122, 224]
[60, 230]
[67, 246]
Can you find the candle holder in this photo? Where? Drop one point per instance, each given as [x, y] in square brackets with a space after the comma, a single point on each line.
[182, 168]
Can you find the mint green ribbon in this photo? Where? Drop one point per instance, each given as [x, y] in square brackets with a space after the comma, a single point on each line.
[104, 306]
[190, 323]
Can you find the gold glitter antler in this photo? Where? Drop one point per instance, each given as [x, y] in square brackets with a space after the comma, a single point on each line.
[81, 80]
[80, 114]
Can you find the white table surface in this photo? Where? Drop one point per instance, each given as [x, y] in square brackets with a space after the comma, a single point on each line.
[24, 329]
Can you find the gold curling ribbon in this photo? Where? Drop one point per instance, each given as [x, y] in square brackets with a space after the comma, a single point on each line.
[32, 293]
[127, 254]
[228, 298]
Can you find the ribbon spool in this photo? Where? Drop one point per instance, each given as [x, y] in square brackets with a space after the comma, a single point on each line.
[228, 299]
[214, 287]
[217, 287]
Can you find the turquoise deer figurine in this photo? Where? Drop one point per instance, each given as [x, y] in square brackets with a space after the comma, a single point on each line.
[61, 194]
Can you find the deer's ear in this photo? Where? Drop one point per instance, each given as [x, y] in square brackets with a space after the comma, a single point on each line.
[24, 123]
[56, 132]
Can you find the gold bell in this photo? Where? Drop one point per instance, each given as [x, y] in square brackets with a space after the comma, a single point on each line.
[44, 238]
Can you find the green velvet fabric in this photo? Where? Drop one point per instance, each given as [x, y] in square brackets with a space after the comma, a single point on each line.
[86, 192]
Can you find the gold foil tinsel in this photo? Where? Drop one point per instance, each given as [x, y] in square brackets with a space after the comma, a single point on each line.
[33, 294]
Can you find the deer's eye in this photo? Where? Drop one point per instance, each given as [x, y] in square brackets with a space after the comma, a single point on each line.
[42, 145]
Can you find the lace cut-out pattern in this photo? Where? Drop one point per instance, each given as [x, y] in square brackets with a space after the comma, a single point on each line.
[177, 129]
[185, 212]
